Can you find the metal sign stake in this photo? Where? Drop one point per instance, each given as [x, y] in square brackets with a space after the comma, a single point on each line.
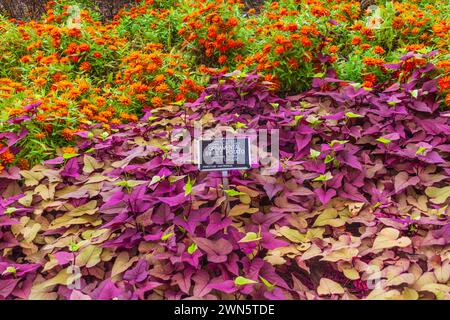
[226, 183]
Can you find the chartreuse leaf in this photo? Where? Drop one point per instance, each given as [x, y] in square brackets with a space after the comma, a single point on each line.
[329, 158]
[313, 120]
[297, 119]
[74, 247]
[421, 151]
[188, 186]
[250, 237]
[192, 248]
[267, 283]
[68, 156]
[324, 177]
[241, 281]
[332, 143]
[165, 237]
[233, 193]
[156, 179]
[129, 183]
[10, 270]
[10, 210]
[314, 153]
[384, 140]
[353, 115]
[104, 135]
[240, 125]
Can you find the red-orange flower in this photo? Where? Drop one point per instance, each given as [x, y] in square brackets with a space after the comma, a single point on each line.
[68, 134]
[444, 83]
[356, 40]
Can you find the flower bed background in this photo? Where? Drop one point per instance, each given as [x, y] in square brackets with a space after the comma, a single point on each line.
[372, 196]
[85, 71]
[361, 197]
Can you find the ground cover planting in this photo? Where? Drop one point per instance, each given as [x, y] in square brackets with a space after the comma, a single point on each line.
[95, 205]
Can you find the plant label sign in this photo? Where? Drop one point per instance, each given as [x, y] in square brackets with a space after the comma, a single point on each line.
[224, 154]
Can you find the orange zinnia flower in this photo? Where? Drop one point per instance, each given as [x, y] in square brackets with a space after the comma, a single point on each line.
[279, 50]
[85, 66]
[6, 156]
[378, 50]
[68, 134]
[68, 150]
[23, 164]
[356, 40]
[157, 101]
[84, 47]
[222, 59]
[444, 83]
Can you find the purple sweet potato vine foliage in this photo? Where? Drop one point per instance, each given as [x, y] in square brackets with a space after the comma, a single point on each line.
[358, 209]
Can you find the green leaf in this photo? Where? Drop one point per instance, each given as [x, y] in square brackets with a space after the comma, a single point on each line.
[68, 156]
[10, 210]
[421, 151]
[240, 281]
[156, 179]
[192, 248]
[414, 93]
[314, 153]
[313, 120]
[166, 236]
[332, 143]
[9, 270]
[305, 104]
[250, 237]
[188, 186]
[297, 119]
[74, 247]
[384, 140]
[353, 115]
[240, 125]
[324, 177]
[329, 158]
[233, 193]
[104, 135]
[267, 283]
[129, 183]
